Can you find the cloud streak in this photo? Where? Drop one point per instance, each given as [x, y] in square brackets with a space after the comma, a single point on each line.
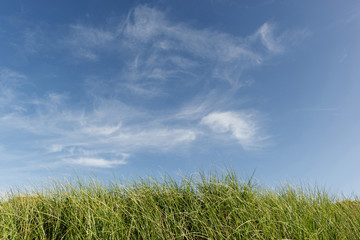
[96, 162]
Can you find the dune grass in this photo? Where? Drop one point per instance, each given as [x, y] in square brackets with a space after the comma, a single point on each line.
[212, 206]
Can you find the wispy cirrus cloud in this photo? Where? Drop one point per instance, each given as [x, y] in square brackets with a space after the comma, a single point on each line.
[158, 50]
[161, 43]
[266, 35]
[171, 85]
[105, 136]
[86, 39]
[10, 80]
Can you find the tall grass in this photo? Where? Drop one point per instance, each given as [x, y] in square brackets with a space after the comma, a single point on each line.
[214, 206]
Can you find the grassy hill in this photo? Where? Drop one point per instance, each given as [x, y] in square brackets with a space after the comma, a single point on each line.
[216, 206]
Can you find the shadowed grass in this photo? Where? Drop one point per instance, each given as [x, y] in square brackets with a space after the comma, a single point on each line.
[202, 207]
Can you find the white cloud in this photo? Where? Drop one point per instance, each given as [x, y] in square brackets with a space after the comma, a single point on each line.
[55, 148]
[96, 162]
[277, 43]
[266, 34]
[101, 130]
[241, 126]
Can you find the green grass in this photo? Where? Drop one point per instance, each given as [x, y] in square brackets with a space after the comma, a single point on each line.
[215, 206]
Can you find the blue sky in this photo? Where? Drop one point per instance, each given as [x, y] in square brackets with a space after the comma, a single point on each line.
[134, 88]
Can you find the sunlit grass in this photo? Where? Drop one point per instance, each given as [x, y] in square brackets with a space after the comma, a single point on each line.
[202, 206]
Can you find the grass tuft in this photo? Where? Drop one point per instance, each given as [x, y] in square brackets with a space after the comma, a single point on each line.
[213, 206]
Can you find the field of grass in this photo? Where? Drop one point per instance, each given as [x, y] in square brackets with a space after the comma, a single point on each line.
[202, 206]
